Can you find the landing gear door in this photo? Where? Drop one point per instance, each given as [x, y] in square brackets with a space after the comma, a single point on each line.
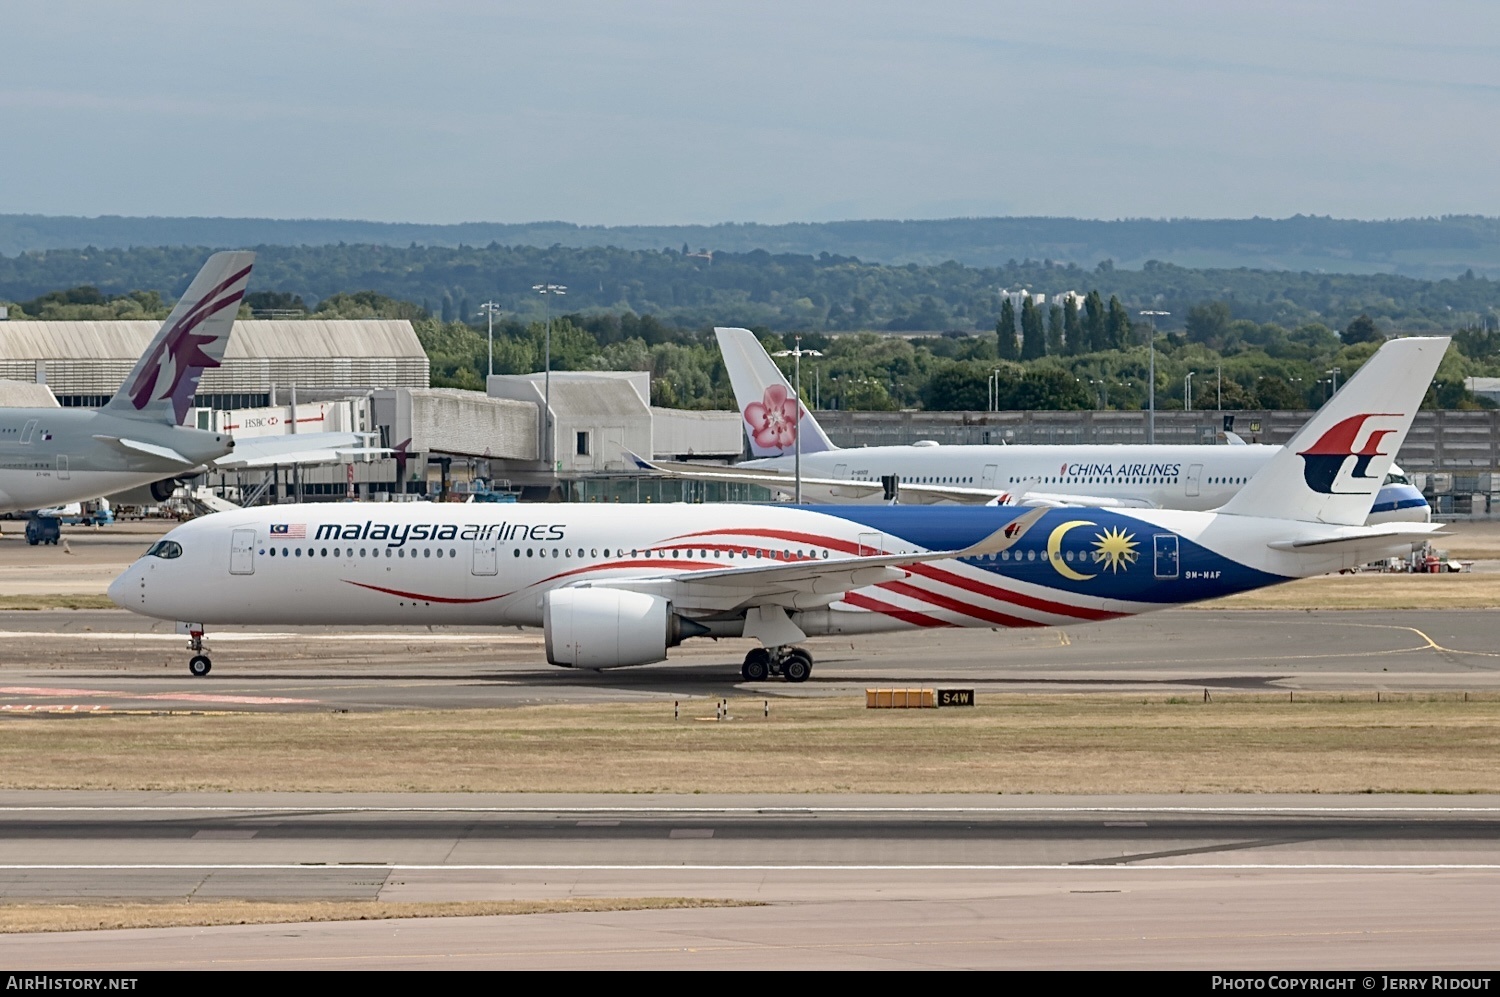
[486, 556]
[242, 552]
[1165, 545]
[1194, 477]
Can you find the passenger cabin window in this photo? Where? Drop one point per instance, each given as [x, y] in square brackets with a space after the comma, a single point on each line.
[166, 549]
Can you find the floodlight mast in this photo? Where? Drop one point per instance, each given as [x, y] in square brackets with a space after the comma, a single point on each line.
[489, 308]
[547, 291]
[797, 354]
[1151, 315]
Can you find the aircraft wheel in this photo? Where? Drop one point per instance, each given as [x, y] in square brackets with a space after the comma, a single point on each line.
[797, 665]
[199, 665]
[755, 668]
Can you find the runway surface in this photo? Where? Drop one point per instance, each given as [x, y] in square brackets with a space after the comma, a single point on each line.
[99, 660]
[1210, 882]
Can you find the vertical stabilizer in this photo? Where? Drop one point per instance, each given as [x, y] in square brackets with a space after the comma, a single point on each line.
[191, 340]
[765, 399]
[1333, 468]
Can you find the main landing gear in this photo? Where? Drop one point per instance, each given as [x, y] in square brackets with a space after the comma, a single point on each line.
[791, 663]
[198, 664]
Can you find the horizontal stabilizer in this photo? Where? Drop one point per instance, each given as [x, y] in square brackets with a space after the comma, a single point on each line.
[137, 448]
[1413, 533]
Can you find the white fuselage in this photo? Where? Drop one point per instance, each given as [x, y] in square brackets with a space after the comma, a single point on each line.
[484, 564]
[1163, 477]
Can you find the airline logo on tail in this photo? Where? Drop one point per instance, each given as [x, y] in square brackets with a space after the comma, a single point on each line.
[172, 370]
[772, 421]
[1324, 461]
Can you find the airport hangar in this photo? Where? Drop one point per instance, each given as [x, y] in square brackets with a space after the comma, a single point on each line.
[372, 377]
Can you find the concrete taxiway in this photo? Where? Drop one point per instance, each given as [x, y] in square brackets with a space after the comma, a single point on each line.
[95, 660]
[1209, 882]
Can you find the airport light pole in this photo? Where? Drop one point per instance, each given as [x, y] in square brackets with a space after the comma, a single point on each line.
[1336, 371]
[797, 354]
[489, 308]
[1151, 315]
[1187, 391]
[547, 291]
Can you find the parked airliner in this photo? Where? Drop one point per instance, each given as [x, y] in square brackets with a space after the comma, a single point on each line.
[54, 456]
[1163, 476]
[618, 585]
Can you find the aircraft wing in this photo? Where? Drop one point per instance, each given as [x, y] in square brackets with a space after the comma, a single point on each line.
[1053, 500]
[295, 448]
[138, 449]
[833, 490]
[811, 582]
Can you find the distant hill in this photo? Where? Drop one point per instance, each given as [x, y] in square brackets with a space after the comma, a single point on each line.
[778, 291]
[1428, 248]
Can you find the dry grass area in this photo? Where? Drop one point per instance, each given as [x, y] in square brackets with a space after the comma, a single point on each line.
[22, 918]
[56, 601]
[1010, 744]
[1372, 590]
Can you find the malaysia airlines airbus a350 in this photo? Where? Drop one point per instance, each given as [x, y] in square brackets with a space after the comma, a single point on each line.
[1160, 476]
[618, 585]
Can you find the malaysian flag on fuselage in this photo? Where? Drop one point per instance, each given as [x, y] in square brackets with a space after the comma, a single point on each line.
[289, 531]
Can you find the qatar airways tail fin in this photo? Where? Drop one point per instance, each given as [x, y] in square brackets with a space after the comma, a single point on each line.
[765, 399]
[191, 340]
[1333, 468]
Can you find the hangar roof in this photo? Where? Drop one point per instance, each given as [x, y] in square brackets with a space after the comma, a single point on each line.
[24, 394]
[258, 338]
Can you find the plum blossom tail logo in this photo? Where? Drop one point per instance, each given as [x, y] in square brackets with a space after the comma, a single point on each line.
[178, 360]
[1325, 459]
[773, 419]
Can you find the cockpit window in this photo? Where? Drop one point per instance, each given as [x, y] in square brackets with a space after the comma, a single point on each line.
[1396, 478]
[166, 549]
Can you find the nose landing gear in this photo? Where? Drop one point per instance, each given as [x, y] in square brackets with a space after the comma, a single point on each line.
[791, 663]
[198, 664]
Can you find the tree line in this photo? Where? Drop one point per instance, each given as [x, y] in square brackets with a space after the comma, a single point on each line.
[785, 292]
[1057, 356]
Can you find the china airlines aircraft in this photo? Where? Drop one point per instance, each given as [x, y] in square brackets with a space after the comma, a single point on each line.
[1163, 476]
[619, 585]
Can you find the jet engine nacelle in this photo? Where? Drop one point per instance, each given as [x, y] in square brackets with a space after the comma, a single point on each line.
[605, 627]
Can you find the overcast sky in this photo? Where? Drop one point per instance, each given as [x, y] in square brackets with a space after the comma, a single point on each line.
[608, 112]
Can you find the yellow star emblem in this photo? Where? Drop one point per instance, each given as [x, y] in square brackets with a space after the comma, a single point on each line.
[1115, 549]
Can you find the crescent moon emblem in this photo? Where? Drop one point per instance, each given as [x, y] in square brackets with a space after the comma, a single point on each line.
[1054, 543]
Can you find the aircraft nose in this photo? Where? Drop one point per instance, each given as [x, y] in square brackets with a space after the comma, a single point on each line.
[121, 589]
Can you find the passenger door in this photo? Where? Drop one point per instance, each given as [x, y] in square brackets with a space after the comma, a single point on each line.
[1194, 477]
[990, 473]
[242, 552]
[486, 557]
[1165, 547]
